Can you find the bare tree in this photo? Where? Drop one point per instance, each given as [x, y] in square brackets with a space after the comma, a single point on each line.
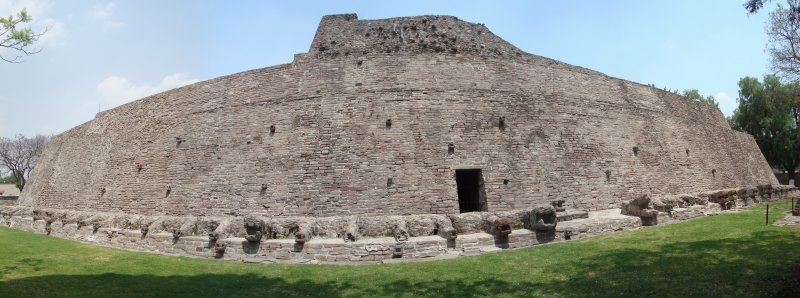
[20, 154]
[783, 30]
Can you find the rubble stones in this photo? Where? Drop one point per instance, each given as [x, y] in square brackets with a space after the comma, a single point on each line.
[641, 207]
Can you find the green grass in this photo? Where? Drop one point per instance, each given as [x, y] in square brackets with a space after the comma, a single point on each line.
[725, 255]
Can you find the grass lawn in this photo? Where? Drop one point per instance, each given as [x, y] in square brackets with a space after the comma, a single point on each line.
[725, 255]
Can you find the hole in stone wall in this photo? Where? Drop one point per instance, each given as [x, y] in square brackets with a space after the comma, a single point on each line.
[169, 190]
[636, 150]
[263, 188]
[608, 175]
[713, 172]
[451, 148]
[359, 62]
[139, 167]
[178, 141]
[102, 192]
[505, 181]
[389, 182]
[271, 129]
[359, 84]
[502, 123]
[471, 193]
[398, 252]
[388, 123]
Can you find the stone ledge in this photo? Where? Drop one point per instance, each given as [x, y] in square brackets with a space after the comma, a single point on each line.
[342, 250]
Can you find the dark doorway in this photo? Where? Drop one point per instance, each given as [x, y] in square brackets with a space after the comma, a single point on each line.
[471, 195]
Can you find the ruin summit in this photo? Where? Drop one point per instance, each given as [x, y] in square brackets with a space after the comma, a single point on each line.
[386, 131]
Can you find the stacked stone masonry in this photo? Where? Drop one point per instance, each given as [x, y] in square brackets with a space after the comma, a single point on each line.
[367, 237]
[372, 123]
[8, 200]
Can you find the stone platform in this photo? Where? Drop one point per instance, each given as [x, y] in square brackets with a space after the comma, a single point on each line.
[374, 239]
[332, 250]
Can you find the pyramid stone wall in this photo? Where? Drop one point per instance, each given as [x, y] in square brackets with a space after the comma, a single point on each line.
[310, 138]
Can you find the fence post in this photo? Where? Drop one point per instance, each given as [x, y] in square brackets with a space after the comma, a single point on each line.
[766, 220]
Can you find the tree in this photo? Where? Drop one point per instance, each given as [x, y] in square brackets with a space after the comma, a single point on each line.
[694, 94]
[783, 30]
[20, 154]
[753, 6]
[769, 111]
[15, 39]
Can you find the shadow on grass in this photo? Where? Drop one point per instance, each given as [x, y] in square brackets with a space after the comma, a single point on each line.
[231, 285]
[23, 264]
[759, 264]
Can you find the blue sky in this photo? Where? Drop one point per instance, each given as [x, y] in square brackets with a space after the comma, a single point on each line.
[99, 54]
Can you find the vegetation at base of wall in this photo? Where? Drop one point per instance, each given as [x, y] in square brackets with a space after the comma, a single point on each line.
[725, 255]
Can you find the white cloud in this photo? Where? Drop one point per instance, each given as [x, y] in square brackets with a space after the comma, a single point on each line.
[105, 14]
[115, 90]
[726, 103]
[722, 96]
